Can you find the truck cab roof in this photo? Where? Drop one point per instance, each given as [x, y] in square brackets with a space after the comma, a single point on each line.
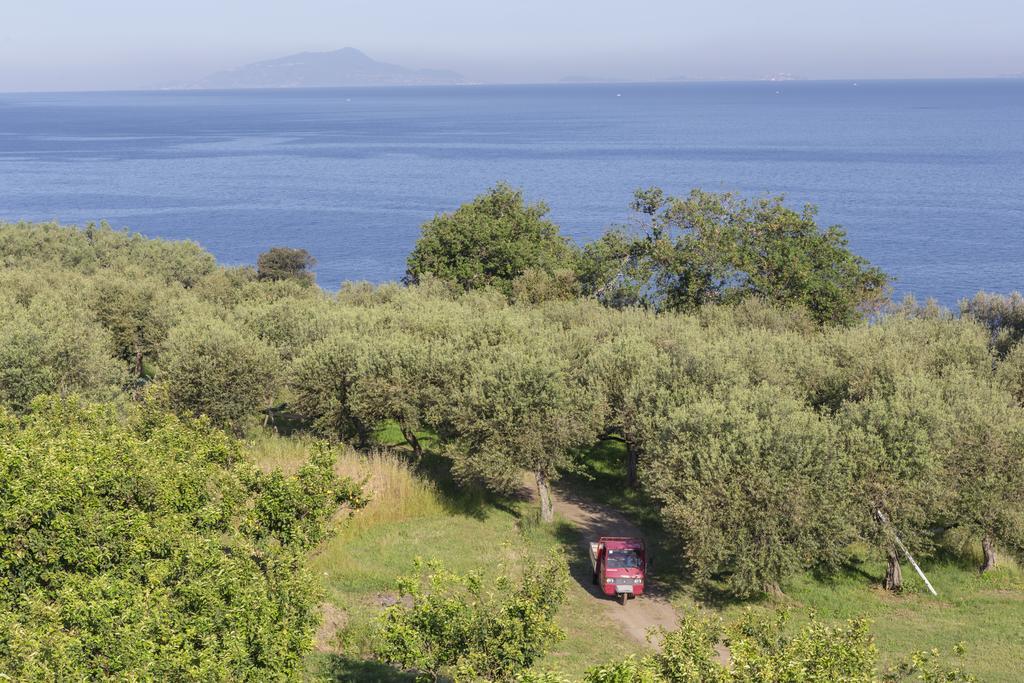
[622, 543]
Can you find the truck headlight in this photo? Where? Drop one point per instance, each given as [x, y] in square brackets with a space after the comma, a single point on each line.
[638, 580]
[609, 580]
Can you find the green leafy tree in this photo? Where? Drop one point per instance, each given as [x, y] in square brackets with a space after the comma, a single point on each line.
[986, 466]
[615, 269]
[752, 485]
[898, 437]
[141, 547]
[285, 263]
[489, 242]
[456, 623]
[322, 380]
[522, 408]
[711, 248]
[763, 649]
[211, 368]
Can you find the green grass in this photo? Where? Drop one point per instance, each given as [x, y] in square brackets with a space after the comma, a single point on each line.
[419, 513]
[984, 612]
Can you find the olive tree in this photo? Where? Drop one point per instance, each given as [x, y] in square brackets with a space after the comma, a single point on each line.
[49, 347]
[521, 408]
[1002, 316]
[630, 370]
[898, 437]
[1010, 372]
[322, 379]
[136, 311]
[403, 378]
[986, 464]
[211, 368]
[751, 482]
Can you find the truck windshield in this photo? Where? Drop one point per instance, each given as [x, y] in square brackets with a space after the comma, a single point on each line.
[623, 559]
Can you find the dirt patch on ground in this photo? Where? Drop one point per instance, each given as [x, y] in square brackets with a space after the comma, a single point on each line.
[333, 620]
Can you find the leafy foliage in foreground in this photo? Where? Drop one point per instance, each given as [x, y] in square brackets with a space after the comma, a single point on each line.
[149, 549]
[459, 624]
[764, 650]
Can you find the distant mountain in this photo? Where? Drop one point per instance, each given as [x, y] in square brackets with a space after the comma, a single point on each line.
[347, 66]
[588, 79]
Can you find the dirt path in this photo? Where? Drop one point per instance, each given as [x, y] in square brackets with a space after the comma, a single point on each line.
[593, 520]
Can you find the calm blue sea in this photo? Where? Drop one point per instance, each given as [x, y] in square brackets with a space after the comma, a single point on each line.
[927, 177]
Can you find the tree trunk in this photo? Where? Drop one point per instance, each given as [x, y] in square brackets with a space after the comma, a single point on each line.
[362, 437]
[138, 363]
[547, 508]
[773, 590]
[410, 438]
[893, 573]
[632, 458]
[990, 553]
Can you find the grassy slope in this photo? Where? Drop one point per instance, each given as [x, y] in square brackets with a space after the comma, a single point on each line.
[986, 613]
[411, 516]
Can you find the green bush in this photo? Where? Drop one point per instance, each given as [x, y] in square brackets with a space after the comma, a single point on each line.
[146, 548]
[457, 623]
[764, 649]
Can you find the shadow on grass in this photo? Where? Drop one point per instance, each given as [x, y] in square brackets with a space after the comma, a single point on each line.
[458, 498]
[602, 477]
[339, 668]
[283, 421]
[573, 543]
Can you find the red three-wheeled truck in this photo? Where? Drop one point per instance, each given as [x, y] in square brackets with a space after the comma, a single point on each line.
[620, 566]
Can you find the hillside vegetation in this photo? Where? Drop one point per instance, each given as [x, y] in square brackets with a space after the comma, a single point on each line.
[729, 375]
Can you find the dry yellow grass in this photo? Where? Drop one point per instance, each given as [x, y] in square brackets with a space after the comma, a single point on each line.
[396, 492]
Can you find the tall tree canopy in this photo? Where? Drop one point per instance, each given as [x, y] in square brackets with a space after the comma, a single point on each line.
[710, 248]
[490, 242]
[522, 408]
[285, 263]
[752, 485]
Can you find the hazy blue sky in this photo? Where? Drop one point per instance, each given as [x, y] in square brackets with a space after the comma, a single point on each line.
[98, 44]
